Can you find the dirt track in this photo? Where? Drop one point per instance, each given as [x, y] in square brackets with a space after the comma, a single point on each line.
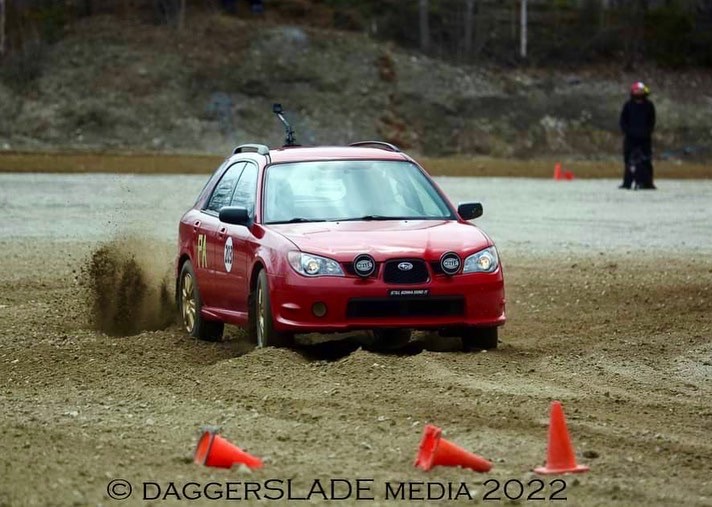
[624, 342]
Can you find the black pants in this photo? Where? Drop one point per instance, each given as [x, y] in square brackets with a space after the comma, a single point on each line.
[638, 153]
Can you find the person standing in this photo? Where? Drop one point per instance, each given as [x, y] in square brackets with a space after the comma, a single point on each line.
[637, 122]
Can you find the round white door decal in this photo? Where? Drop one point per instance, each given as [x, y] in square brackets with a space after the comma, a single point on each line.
[227, 256]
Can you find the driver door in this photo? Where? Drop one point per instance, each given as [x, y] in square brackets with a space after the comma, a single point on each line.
[212, 241]
[236, 245]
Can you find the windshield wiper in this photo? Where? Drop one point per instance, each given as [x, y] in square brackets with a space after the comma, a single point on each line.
[373, 217]
[297, 220]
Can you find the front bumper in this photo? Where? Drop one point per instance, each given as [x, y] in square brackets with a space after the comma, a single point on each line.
[475, 299]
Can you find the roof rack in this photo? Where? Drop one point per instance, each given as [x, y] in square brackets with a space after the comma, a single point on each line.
[377, 144]
[253, 148]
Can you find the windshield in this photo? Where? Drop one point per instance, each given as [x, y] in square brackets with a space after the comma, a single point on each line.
[338, 190]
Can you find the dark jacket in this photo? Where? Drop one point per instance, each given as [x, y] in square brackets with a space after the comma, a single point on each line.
[638, 119]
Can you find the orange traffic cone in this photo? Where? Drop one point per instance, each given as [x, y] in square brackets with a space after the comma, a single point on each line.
[436, 451]
[214, 451]
[568, 175]
[557, 171]
[560, 458]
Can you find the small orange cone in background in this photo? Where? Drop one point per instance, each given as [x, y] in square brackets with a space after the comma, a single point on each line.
[560, 458]
[557, 171]
[561, 174]
[214, 451]
[436, 451]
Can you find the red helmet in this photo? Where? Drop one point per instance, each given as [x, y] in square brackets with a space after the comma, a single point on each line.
[639, 89]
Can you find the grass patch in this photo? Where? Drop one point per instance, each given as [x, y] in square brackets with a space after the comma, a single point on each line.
[160, 163]
[142, 163]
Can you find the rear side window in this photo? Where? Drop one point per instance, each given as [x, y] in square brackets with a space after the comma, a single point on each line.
[222, 195]
[209, 183]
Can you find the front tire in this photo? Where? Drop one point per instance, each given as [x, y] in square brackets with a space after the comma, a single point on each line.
[262, 323]
[479, 338]
[189, 306]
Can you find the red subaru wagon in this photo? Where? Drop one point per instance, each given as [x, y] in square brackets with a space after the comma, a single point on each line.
[333, 239]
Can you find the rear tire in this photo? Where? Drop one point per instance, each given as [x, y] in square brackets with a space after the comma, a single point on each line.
[189, 306]
[479, 338]
[261, 321]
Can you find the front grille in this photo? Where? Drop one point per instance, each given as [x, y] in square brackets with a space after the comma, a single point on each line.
[365, 308]
[418, 274]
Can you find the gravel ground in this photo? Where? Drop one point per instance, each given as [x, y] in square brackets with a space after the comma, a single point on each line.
[609, 303]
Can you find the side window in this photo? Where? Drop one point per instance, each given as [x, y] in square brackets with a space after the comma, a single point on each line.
[208, 183]
[223, 190]
[246, 189]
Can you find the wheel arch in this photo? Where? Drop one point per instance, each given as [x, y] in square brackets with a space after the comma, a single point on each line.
[258, 266]
[179, 266]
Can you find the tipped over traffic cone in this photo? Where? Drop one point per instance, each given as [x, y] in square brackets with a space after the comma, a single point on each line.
[568, 175]
[214, 451]
[436, 451]
[560, 458]
[557, 171]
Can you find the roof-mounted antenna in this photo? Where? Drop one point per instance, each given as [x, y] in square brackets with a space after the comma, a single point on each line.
[290, 140]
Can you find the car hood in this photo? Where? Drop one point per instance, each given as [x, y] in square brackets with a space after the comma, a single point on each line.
[384, 239]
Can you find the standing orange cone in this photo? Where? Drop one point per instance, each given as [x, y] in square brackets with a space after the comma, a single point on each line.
[560, 458]
[557, 171]
[436, 451]
[214, 451]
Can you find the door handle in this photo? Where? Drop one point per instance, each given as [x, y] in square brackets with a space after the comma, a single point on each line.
[196, 224]
[222, 232]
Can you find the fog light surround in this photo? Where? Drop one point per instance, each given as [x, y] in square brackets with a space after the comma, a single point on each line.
[319, 309]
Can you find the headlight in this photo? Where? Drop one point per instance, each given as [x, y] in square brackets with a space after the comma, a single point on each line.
[314, 265]
[484, 261]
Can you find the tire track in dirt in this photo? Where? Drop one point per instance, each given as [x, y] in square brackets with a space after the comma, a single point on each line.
[83, 405]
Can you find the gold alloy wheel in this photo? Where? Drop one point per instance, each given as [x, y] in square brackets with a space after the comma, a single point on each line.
[260, 316]
[188, 302]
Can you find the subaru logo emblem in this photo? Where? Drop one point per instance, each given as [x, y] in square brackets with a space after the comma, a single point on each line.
[405, 266]
[450, 263]
[364, 265]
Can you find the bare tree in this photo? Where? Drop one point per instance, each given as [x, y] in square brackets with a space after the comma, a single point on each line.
[424, 25]
[523, 29]
[181, 15]
[469, 15]
[2, 28]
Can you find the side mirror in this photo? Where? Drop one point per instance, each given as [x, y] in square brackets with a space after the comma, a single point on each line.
[234, 215]
[469, 210]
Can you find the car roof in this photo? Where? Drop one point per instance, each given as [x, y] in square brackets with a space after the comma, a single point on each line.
[298, 154]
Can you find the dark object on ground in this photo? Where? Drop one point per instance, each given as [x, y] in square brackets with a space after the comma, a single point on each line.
[638, 166]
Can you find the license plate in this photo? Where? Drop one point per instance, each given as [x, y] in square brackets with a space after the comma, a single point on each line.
[408, 292]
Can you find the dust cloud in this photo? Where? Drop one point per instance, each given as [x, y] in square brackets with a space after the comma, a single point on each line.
[129, 286]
